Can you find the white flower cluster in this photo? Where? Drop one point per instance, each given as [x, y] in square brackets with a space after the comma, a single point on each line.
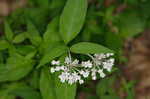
[73, 71]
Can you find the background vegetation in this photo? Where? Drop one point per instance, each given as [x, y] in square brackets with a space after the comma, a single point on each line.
[41, 31]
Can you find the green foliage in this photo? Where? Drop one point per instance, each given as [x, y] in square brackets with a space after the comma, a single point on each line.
[19, 38]
[33, 34]
[45, 30]
[47, 85]
[17, 67]
[114, 41]
[51, 35]
[130, 25]
[105, 90]
[24, 92]
[64, 89]
[50, 83]
[72, 19]
[3, 44]
[89, 48]
[55, 52]
[8, 32]
[19, 89]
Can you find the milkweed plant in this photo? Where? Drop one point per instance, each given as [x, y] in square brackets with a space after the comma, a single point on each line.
[52, 49]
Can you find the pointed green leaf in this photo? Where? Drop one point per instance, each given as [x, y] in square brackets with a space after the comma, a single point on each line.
[8, 31]
[72, 19]
[43, 3]
[89, 48]
[51, 53]
[25, 49]
[47, 85]
[19, 38]
[105, 89]
[3, 44]
[33, 34]
[130, 25]
[52, 34]
[34, 79]
[23, 91]
[4, 95]
[16, 68]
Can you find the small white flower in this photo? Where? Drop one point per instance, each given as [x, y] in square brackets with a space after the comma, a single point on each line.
[87, 64]
[67, 60]
[109, 54]
[52, 70]
[94, 77]
[58, 68]
[93, 70]
[81, 81]
[81, 72]
[62, 79]
[55, 62]
[108, 64]
[76, 76]
[102, 75]
[62, 67]
[100, 56]
[112, 60]
[64, 76]
[73, 71]
[85, 73]
[71, 79]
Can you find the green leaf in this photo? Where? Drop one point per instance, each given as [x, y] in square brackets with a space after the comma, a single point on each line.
[33, 79]
[31, 55]
[52, 34]
[114, 41]
[33, 34]
[19, 38]
[16, 68]
[19, 89]
[57, 4]
[130, 25]
[3, 44]
[72, 19]
[52, 53]
[64, 89]
[47, 85]
[52, 88]
[89, 48]
[38, 15]
[25, 49]
[105, 89]
[24, 91]
[1, 59]
[43, 3]
[4, 95]
[8, 31]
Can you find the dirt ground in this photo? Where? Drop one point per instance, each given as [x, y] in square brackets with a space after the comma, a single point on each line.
[138, 53]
